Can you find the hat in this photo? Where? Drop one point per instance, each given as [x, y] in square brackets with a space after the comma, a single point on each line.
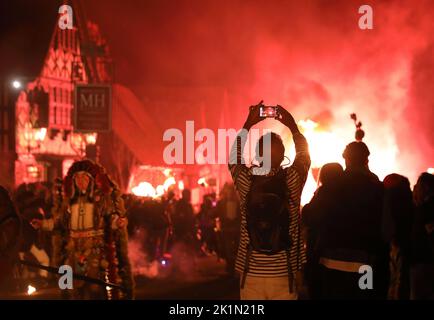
[356, 150]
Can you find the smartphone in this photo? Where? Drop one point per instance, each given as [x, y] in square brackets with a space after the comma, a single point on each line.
[268, 111]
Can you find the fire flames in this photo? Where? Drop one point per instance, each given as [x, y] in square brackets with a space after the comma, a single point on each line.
[324, 147]
[327, 145]
[146, 189]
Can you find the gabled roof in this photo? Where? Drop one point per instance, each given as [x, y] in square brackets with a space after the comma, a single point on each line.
[26, 29]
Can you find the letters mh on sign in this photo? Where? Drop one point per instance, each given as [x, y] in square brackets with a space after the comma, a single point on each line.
[92, 108]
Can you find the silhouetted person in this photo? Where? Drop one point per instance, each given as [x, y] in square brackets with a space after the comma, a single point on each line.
[10, 227]
[148, 221]
[398, 219]
[169, 201]
[32, 214]
[271, 252]
[351, 235]
[228, 211]
[206, 219]
[422, 269]
[313, 215]
[183, 218]
[184, 246]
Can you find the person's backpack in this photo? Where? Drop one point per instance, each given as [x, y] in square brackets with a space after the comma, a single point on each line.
[267, 214]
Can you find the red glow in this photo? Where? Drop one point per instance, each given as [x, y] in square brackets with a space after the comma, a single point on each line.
[309, 57]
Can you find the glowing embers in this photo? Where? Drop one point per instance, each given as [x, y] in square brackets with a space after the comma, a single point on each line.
[30, 290]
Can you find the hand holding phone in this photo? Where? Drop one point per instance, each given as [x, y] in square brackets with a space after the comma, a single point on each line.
[253, 117]
[286, 118]
[268, 111]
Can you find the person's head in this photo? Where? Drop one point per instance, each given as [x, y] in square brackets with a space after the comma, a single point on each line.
[186, 195]
[82, 180]
[398, 187]
[356, 155]
[396, 181]
[398, 208]
[330, 173]
[424, 188]
[270, 150]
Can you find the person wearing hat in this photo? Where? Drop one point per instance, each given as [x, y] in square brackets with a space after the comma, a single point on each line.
[92, 220]
[356, 156]
[351, 241]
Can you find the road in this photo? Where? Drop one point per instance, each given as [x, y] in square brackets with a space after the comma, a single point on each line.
[202, 279]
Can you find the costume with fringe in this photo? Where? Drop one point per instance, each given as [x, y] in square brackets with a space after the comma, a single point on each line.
[92, 241]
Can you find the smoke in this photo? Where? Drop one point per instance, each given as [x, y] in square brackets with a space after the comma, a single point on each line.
[140, 264]
[179, 263]
[196, 61]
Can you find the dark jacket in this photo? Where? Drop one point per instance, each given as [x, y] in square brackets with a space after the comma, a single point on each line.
[354, 217]
[422, 239]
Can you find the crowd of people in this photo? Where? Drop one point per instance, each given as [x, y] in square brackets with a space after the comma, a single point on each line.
[79, 221]
[169, 221]
[28, 204]
[162, 223]
[358, 238]
[362, 238]
[355, 219]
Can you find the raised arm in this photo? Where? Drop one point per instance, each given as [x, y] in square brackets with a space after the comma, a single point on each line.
[236, 160]
[301, 162]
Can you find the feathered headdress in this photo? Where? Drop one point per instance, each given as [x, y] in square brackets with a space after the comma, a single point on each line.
[87, 166]
[100, 179]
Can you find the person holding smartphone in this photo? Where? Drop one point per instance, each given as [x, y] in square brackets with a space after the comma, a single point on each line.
[270, 269]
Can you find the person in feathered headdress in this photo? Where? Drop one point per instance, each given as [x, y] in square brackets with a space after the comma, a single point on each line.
[91, 213]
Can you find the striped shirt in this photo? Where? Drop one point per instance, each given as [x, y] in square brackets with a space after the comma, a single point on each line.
[262, 265]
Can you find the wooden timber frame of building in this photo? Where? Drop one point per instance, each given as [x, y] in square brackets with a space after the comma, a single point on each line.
[45, 141]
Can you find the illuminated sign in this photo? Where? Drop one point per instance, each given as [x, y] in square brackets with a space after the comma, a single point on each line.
[92, 108]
